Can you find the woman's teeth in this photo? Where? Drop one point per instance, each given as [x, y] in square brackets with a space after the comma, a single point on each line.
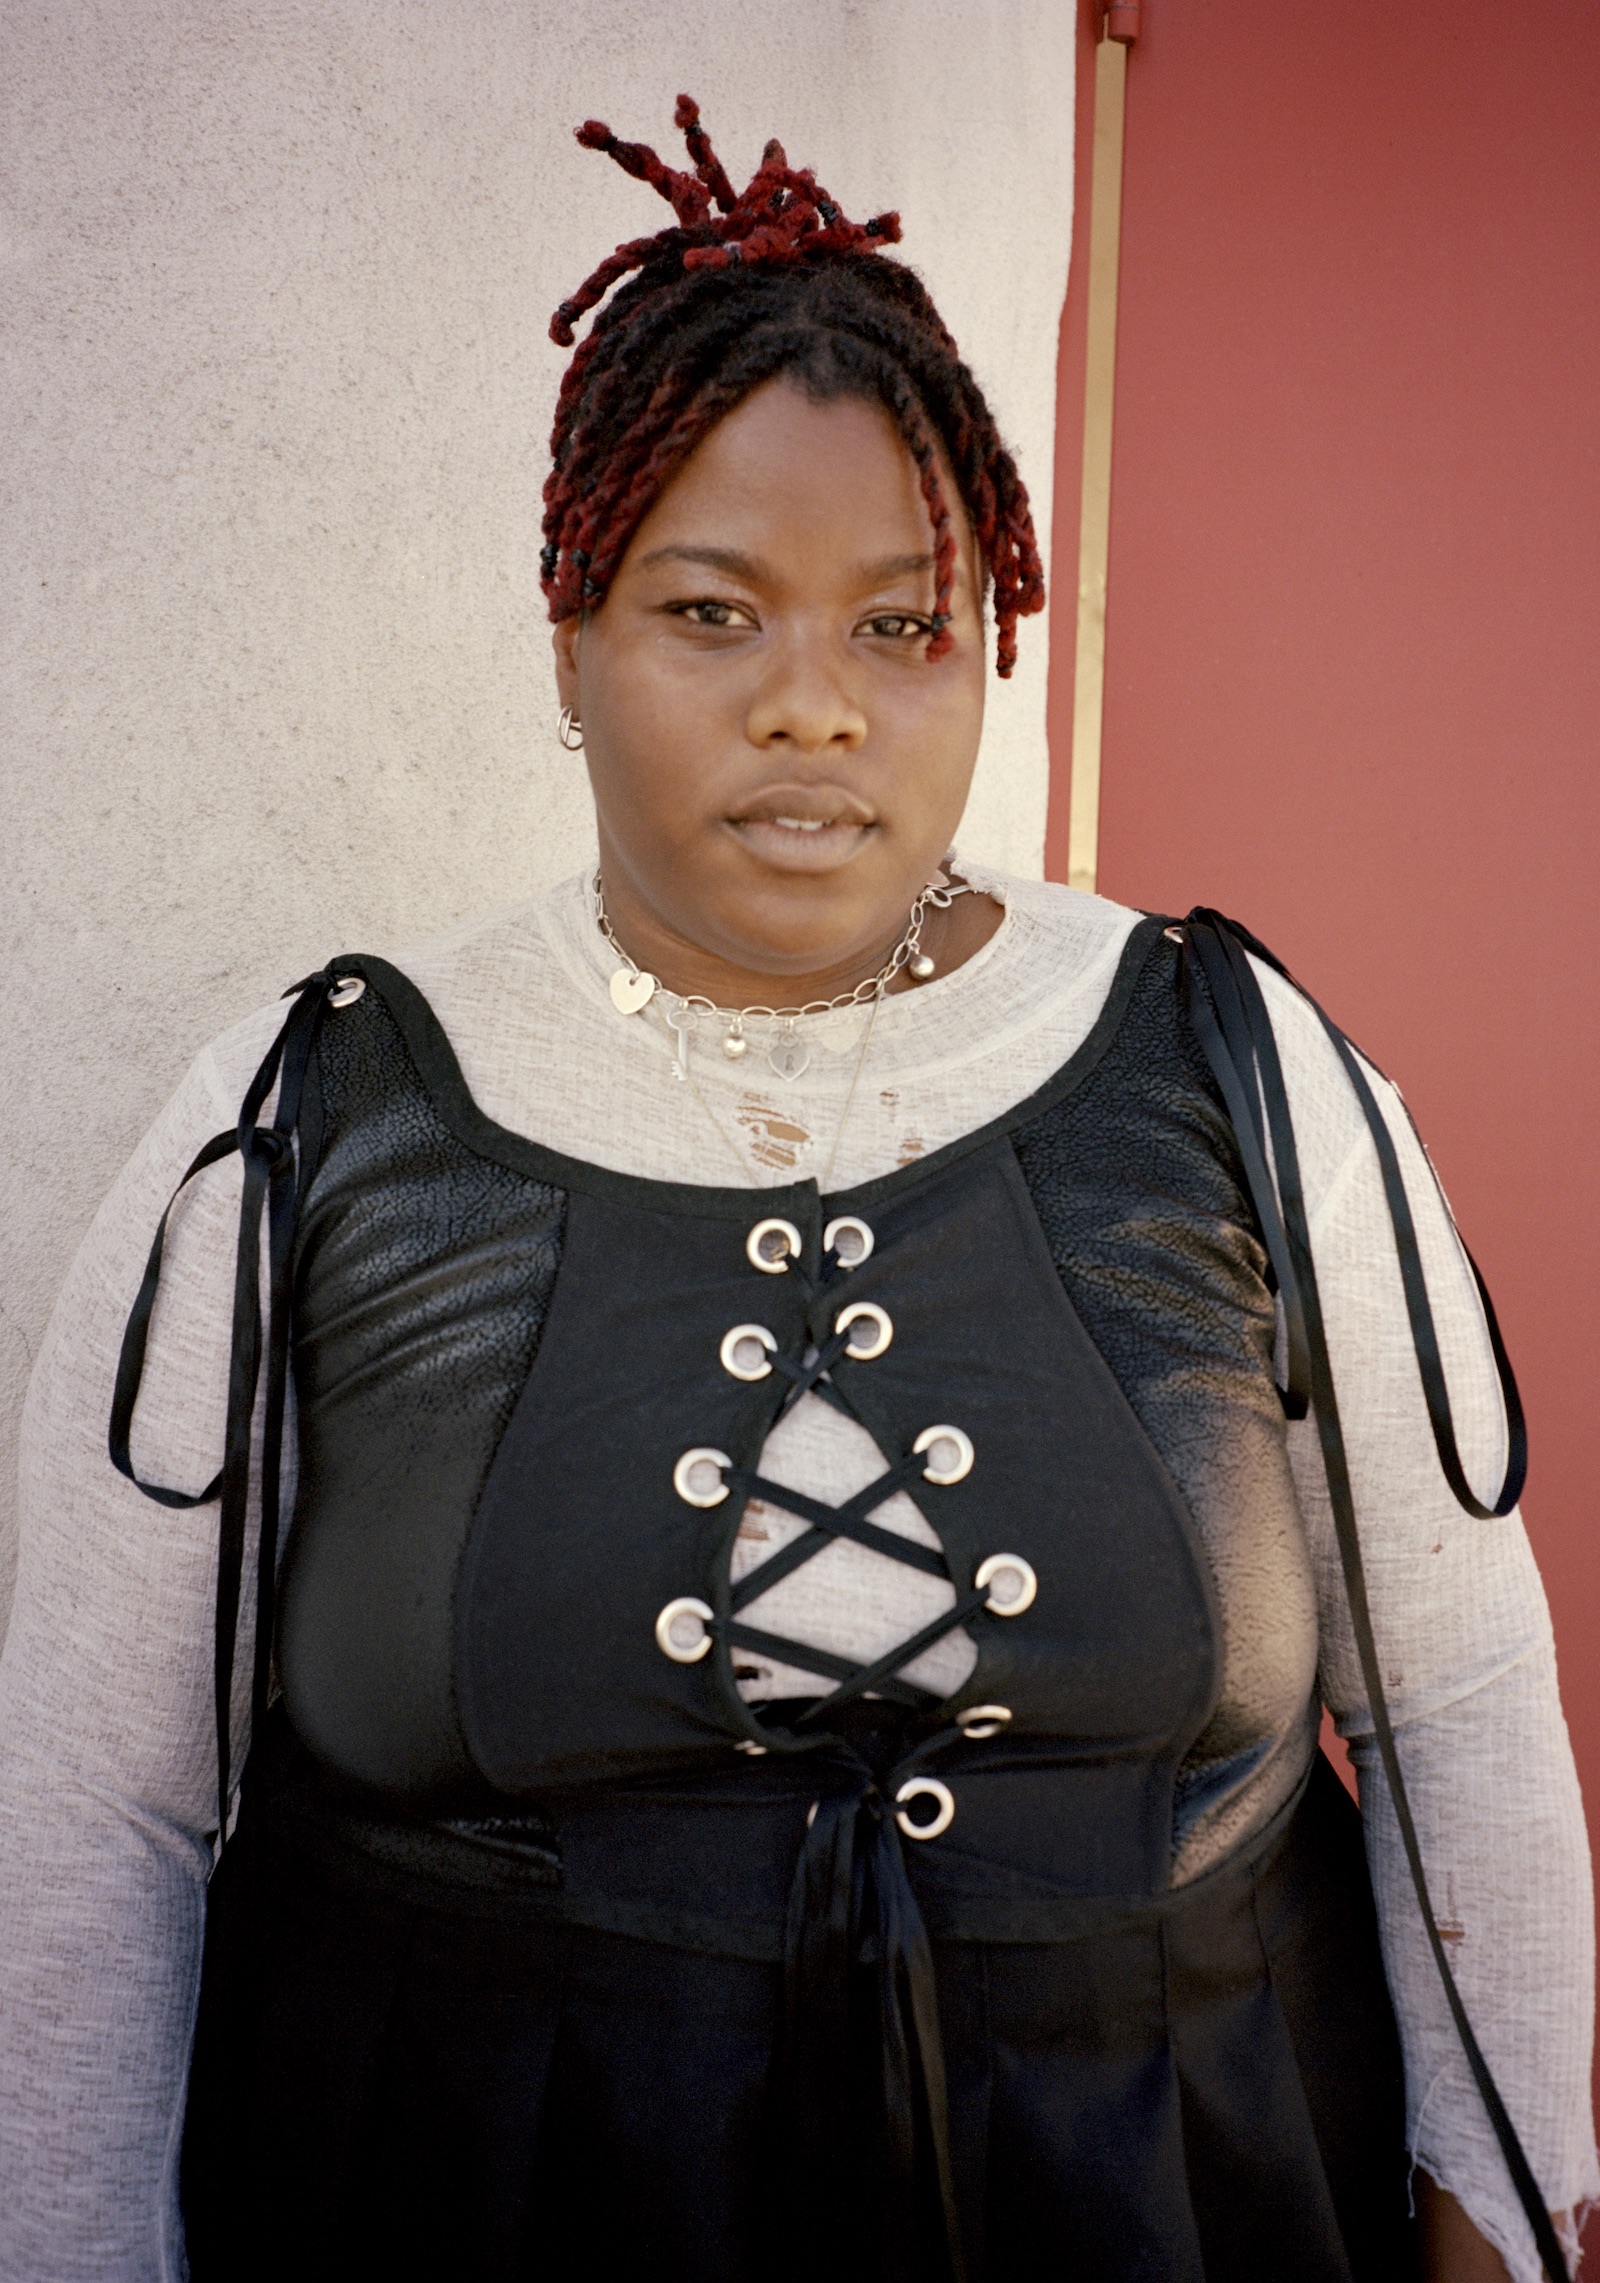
[791, 841]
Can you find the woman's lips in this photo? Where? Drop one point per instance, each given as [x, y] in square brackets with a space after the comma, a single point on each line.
[813, 828]
[800, 844]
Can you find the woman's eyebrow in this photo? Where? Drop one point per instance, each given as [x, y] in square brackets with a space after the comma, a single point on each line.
[726, 559]
[894, 567]
[741, 566]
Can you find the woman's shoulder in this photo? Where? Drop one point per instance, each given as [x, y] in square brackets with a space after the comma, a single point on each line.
[1074, 934]
[1068, 913]
[511, 957]
[1055, 931]
[515, 958]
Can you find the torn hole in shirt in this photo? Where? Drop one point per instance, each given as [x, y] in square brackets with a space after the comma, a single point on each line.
[773, 1139]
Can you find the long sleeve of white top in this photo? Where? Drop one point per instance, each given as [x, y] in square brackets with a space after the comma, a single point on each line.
[107, 1766]
[1468, 1664]
[107, 1737]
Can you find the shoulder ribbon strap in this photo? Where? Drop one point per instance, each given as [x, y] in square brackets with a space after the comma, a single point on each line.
[1232, 1023]
[269, 1162]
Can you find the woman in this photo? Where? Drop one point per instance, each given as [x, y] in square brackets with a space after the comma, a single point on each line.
[790, 1739]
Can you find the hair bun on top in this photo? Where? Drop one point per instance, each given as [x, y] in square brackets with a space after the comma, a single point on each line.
[744, 286]
[780, 216]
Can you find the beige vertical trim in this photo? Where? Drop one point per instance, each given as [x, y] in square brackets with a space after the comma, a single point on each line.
[1094, 528]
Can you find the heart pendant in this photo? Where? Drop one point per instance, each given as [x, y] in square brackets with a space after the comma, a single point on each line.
[631, 990]
[789, 1059]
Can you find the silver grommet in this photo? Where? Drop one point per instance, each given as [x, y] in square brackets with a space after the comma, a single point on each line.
[925, 1787]
[346, 991]
[748, 1335]
[999, 1566]
[849, 1239]
[943, 1470]
[811, 1813]
[758, 1244]
[674, 1622]
[707, 1494]
[981, 1720]
[865, 1312]
[749, 1745]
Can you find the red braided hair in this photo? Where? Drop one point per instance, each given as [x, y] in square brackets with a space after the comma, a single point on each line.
[745, 286]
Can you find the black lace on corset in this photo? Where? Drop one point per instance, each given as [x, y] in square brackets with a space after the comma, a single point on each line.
[808, 1375]
[269, 1188]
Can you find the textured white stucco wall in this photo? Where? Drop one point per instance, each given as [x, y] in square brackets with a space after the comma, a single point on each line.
[275, 388]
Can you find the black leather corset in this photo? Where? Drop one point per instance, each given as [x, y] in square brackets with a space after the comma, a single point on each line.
[501, 1354]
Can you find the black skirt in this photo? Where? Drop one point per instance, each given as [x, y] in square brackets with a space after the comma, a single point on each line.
[396, 2078]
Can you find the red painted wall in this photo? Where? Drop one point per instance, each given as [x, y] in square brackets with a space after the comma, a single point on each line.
[1353, 648]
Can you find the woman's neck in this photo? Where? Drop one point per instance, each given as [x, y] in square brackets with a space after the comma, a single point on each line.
[950, 935]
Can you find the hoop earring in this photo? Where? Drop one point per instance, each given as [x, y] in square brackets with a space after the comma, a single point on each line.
[570, 730]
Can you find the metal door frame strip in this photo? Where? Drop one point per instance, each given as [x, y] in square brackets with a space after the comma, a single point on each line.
[1099, 395]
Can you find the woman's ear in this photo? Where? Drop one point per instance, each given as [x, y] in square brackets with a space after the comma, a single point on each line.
[564, 642]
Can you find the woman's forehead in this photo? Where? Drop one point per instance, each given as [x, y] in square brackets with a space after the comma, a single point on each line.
[785, 471]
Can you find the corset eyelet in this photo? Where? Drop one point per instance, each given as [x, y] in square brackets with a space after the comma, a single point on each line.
[848, 1226]
[999, 1567]
[982, 1720]
[925, 1787]
[949, 1470]
[683, 1476]
[866, 1312]
[748, 1335]
[672, 1619]
[761, 1237]
[346, 991]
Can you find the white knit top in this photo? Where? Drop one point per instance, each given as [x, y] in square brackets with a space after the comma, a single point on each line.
[106, 1744]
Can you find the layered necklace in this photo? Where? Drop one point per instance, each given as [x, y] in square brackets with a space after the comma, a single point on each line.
[633, 988]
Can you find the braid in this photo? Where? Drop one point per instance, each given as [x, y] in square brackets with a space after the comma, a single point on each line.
[775, 281]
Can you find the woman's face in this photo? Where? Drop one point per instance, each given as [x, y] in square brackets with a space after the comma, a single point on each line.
[776, 766]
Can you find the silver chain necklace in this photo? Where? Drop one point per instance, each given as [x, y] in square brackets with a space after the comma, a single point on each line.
[634, 987]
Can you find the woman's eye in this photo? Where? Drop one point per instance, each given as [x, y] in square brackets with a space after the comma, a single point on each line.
[897, 626]
[711, 613]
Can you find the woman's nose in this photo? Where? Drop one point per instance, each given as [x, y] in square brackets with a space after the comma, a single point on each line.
[804, 702]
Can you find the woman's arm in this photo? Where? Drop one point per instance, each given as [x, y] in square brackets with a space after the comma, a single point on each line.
[107, 1754]
[1452, 2249]
[1464, 1640]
